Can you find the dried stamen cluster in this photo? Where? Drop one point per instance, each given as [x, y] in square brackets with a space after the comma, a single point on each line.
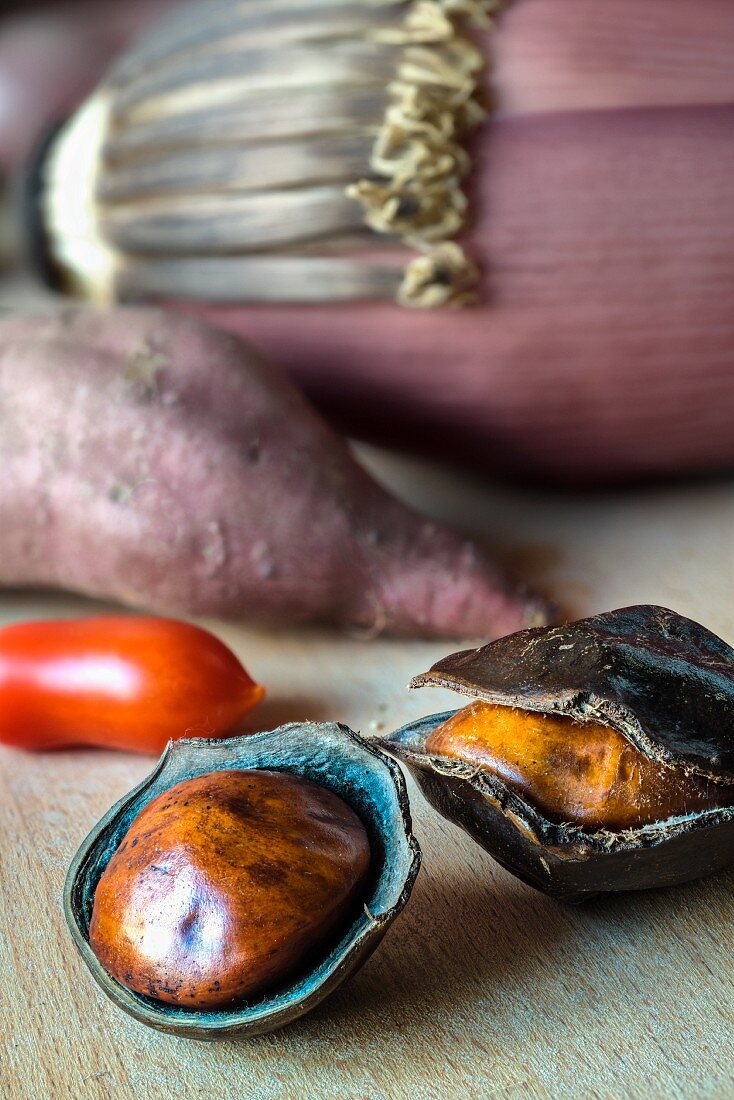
[276, 153]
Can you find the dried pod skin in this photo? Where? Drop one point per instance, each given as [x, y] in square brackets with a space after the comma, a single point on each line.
[225, 884]
[350, 773]
[663, 682]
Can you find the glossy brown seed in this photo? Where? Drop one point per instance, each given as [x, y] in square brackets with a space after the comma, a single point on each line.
[579, 772]
[224, 884]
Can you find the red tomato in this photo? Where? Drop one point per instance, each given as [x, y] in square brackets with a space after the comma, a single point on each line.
[123, 682]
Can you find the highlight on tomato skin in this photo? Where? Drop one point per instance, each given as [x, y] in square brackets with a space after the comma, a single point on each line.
[129, 682]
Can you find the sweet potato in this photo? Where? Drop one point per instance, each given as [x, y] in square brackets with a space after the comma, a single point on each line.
[153, 460]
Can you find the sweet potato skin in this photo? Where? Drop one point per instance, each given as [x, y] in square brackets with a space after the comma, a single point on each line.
[154, 460]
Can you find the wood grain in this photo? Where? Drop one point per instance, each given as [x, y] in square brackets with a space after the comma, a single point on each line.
[484, 987]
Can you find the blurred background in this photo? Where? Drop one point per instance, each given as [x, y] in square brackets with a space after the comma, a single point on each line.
[600, 215]
[593, 376]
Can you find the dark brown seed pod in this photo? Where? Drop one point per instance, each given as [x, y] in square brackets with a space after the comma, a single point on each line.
[319, 761]
[663, 688]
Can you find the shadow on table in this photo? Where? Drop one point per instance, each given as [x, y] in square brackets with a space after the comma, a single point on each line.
[489, 945]
[281, 709]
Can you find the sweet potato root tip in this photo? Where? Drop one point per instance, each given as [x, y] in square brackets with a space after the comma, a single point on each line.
[154, 460]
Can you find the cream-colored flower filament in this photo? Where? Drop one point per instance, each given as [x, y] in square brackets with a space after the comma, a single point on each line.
[276, 153]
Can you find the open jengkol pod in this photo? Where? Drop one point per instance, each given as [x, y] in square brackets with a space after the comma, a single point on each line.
[663, 682]
[326, 754]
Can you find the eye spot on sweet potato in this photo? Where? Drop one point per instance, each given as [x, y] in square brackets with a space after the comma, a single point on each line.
[253, 452]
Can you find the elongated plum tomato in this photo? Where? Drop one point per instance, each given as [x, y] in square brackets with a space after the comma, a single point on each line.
[122, 682]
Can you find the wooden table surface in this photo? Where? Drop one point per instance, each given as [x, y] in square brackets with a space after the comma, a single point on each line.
[483, 987]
